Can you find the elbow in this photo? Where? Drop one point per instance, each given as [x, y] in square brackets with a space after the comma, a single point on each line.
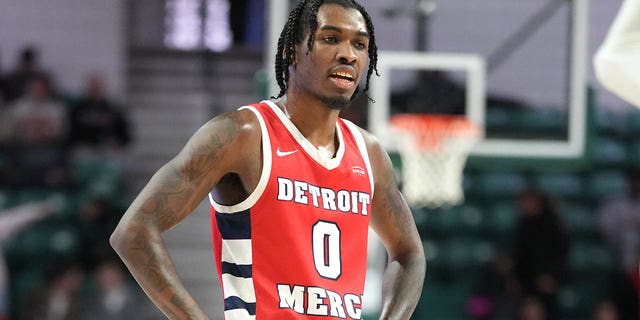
[414, 259]
[116, 239]
[122, 237]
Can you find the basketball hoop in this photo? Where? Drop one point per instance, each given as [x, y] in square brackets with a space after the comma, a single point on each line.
[434, 150]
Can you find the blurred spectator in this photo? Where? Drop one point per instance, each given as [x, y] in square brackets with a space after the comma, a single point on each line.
[114, 298]
[27, 68]
[541, 250]
[605, 310]
[39, 127]
[532, 308]
[98, 219]
[498, 291]
[11, 222]
[97, 124]
[620, 226]
[58, 296]
[38, 118]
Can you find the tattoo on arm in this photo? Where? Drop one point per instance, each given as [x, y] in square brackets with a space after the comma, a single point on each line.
[168, 198]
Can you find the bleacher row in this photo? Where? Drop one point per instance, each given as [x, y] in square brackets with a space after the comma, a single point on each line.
[461, 241]
[63, 235]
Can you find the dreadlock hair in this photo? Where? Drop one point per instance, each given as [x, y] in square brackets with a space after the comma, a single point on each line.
[302, 19]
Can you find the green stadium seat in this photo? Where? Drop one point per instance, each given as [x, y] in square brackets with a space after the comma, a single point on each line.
[462, 218]
[577, 299]
[444, 299]
[609, 152]
[433, 254]
[500, 184]
[44, 240]
[88, 171]
[591, 257]
[558, 184]
[633, 122]
[606, 183]
[5, 199]
[459, 254]
[23, 283]
[633, 153]
[580, 219]
[611, 123]
[28, 195]
[502, 219]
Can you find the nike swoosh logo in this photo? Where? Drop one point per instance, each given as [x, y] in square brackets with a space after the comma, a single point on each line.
[285, 153]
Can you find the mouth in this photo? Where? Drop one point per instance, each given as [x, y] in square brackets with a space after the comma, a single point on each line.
[343, 80]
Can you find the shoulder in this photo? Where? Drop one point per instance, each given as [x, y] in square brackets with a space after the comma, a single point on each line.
[237, 122]
[224, 144]
[380, 162]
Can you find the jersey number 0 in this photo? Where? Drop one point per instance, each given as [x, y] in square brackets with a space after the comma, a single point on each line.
[326, 249]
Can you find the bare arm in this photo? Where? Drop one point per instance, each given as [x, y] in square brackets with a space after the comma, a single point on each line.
[617, 62]
[169, 197]
[393, 222]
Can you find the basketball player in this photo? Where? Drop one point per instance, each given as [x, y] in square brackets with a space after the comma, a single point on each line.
[617, 62]
[294, 189]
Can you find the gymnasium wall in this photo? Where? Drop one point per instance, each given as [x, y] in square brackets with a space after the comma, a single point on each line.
[74, 37]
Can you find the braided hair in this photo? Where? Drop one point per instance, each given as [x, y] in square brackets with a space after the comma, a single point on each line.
[303, 18]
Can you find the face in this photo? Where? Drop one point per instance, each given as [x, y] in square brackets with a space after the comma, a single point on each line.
[332, 70]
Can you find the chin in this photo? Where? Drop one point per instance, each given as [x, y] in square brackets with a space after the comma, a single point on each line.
[336, 102]
[340, 102]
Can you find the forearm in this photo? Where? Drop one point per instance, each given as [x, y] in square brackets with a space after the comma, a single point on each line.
[163, 203]
[145, 255]
[402, 286]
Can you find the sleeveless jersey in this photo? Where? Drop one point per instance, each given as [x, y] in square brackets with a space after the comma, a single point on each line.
[296, 248]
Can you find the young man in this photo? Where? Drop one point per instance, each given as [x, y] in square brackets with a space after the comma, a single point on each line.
[294, 189]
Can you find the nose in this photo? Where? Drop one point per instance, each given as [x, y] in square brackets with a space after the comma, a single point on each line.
[346, 54]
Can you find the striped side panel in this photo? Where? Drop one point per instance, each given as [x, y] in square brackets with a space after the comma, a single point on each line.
[237, 275]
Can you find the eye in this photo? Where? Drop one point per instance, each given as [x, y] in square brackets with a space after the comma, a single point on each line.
[330, 39]
[360, 45]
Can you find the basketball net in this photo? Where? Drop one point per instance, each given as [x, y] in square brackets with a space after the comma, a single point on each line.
[434, 150]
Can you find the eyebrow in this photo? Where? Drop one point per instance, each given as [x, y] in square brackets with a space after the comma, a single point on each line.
[337, 29]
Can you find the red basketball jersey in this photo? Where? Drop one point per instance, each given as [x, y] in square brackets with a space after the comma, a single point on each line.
[296, 248]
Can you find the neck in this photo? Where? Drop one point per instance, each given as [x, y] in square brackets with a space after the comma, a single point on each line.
[314, 120]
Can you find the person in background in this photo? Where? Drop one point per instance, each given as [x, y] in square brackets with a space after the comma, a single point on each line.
[57, 298]
[114, 298]
[98, 126]
[38, 118]
[97, 219]
[498, 292]
[619, 221]
[38, 133]
[605, 310]
[27, 68]
[532, 308]
[541, 250]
